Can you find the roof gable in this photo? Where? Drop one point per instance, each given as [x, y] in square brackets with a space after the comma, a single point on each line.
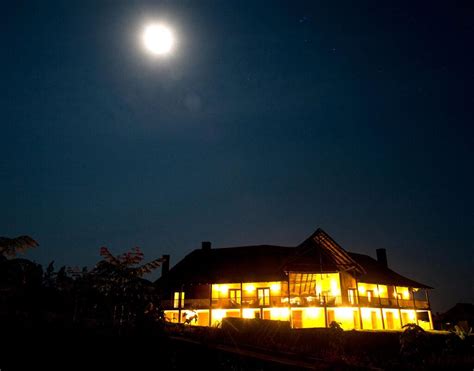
[330, 252]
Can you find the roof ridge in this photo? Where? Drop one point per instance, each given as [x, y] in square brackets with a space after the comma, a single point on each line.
[246, 246]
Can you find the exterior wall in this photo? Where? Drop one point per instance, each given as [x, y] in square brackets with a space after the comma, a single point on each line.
[371, 318]
[238, 295]
[308, 317]
[315, 289]
[391, 319]
[306, 300]
[348, 282]
[347, 317]
[202, 317]
[425, 320]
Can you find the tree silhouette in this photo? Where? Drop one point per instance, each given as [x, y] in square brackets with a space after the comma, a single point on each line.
[119, 282]
[9, 247]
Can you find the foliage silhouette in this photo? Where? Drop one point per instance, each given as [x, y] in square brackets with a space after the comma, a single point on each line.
[9, 247]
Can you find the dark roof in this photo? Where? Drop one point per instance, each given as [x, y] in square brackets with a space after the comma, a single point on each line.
[378, 273]
[460, 312]
[318, 253]
[234, 264]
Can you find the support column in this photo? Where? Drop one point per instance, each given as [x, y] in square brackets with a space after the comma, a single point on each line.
[414, 304]
[180, 303]
[431, 319]
[290, 317]
[398, 306]
[380, 304]
[429, 309]
[210, 304]
[241, 299]
[325, 312]
[358, 303]
[343, 302]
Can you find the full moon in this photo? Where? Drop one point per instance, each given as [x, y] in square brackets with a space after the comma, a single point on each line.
[158, 39]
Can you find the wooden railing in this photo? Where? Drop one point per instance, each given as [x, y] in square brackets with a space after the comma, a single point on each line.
[296, 301]
[188, 304]
[251, 302]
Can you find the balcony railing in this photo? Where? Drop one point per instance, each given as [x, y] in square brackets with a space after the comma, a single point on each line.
[315, 301]
[251, 302]
[188, 304]
[422, 304]
[374, 301]
[296, 301]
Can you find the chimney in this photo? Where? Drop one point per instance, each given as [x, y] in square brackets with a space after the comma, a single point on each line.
[165, 265]
[382, 257]
[206, 245]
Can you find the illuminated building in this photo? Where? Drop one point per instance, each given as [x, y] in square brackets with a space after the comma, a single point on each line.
[310, 285]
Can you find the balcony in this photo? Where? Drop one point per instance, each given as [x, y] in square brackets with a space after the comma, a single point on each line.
[315, 301]
[188, 304]
[250, 302]
[392, 303]
[297, 301]
[422, 304]
[419, 304]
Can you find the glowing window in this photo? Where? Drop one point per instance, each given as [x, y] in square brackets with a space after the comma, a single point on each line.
[370, 295]
[351, 296]
[176, 301]
[235, 296]
[263, 295]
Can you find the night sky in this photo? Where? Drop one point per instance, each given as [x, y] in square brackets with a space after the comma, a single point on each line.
[269, 120]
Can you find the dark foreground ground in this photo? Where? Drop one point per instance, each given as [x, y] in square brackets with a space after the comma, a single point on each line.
[103, 352]
[177, 347]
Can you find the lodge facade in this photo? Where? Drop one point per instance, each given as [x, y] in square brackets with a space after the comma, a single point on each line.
[310, 285]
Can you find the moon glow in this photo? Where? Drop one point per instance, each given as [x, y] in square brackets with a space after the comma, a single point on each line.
[158, 39]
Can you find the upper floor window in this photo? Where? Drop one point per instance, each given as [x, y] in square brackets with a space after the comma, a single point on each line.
[263, 295]
[370, 295]
[351, 296]
[235, 296]
[177, 303]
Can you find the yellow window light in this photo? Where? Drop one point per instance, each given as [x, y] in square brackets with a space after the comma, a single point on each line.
[275, 287]
[248, 313]
[334, 287]
[365, 313]
[218, 314]
[393, 311]
[285, 312]
[312, 312]
[279, 313]
[250, 288]
[345, 312]
[318, 289]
